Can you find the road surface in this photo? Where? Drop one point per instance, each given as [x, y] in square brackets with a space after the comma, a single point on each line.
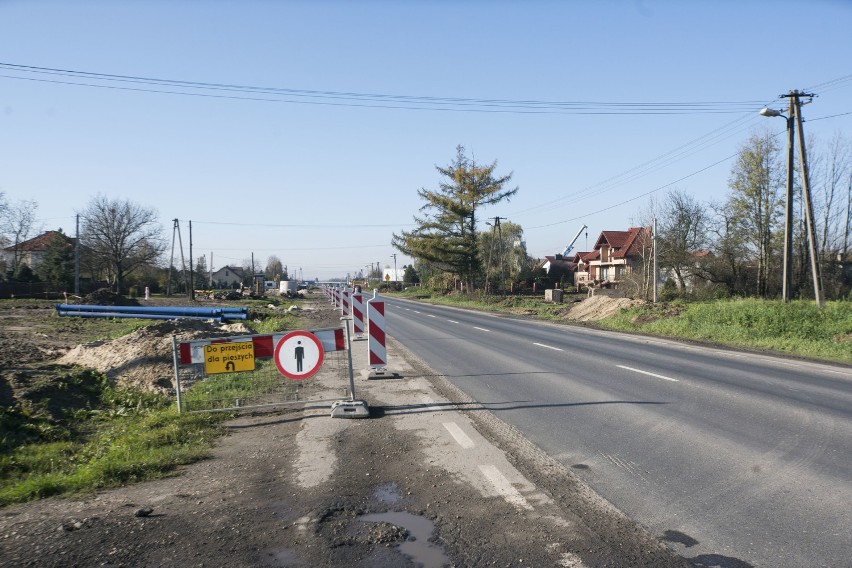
[734, 459]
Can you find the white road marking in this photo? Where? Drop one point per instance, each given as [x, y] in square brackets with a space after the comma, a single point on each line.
[458, 434]
[452, 321]
[482, 329]
[415, 311]
[504, 488]
[430, 316]
[649, 374]
[547, 346]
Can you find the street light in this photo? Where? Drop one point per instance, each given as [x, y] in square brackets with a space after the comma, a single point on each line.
[787, 286]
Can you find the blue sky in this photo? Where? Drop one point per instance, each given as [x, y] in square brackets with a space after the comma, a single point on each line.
[323, 182]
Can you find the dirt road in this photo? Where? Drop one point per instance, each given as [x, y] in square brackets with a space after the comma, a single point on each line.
[430, 479]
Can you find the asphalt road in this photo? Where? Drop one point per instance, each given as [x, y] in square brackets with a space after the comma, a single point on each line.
[734, 459]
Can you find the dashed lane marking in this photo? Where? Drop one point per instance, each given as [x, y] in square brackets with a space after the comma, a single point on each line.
[430, 316]
[641, 372]
[458, 434]
[504, 488]
[481, 329]
[452, 321]
[547, 346]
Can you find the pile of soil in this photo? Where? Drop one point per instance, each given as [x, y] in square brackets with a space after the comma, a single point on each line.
[106, 297]
[599, 307]
[144, 359]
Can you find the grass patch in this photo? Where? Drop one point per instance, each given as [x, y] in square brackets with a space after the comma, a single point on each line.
[107, 437]
[797, 328]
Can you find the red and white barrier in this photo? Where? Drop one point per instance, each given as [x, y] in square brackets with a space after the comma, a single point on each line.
[358, 315]
[344, 303]
[378, 354]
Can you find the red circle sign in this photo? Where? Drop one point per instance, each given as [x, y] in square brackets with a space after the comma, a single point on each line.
[299, 355]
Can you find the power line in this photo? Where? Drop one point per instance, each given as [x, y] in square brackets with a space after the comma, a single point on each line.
[372, 100]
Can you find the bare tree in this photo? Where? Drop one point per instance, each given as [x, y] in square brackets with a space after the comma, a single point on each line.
[682, 229]
[122, 236]
[17, 224]
[274, 269]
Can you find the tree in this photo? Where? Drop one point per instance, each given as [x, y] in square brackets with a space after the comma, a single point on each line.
[274, 269]
[505, 253]
[57, 263]
[17, 224]
[446, 235]
[682, 232]
[410, 275]
[756, 202]
[122, 236]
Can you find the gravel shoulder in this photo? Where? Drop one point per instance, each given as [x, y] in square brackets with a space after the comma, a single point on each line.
[430, 479]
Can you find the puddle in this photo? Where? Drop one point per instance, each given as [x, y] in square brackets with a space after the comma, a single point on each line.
[418, 549]
[388, 493]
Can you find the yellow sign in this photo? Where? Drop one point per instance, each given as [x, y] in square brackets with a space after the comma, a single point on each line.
[229, 357]
[387, 277]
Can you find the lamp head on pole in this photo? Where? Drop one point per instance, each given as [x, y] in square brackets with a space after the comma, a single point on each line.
[766, 111]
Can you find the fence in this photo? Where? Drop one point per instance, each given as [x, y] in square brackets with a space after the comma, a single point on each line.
[202, 388]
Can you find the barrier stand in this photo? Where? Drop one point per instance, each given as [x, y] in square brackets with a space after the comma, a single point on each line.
[377, 351]
[350, 408]
[344, 308]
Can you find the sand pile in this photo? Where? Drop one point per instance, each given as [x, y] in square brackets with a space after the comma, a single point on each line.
[599, 307]
[143, 359]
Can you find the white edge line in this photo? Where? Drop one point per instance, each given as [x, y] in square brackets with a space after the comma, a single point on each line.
[647, 373]
[547, 346]
[505, 489]
[459, 436]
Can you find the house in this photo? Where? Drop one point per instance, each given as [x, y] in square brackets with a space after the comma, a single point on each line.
[31, 252]
[559, 268]
[228, 277]
[618, 253]
[583, 273]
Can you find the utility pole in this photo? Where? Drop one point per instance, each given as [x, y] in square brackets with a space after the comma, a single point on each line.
[191, 268]
[395, 277]
[816, 270]
[655, 268]
[77, 259]
[496, 240]
[794, 119]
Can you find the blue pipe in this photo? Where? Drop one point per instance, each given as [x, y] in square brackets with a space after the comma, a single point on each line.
[138, 316]
[140, 309]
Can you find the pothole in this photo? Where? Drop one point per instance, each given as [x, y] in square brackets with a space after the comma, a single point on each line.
[417, 546]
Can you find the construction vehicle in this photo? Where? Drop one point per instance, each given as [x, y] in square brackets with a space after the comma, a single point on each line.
[570, 245]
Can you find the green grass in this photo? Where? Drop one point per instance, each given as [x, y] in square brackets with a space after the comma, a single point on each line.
[796, 328]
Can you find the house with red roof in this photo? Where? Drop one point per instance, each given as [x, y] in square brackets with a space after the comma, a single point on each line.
[31, 252]
[616, 254]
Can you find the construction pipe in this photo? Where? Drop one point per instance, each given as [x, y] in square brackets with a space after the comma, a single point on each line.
[218, 319]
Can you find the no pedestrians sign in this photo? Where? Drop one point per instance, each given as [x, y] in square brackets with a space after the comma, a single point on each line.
[299, 355]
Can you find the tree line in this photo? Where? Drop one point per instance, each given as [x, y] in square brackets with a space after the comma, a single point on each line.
[729, 246]
[122, 244]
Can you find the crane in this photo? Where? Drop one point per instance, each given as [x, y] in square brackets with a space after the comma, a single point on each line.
[570, 245]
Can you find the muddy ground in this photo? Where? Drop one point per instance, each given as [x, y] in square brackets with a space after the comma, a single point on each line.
[293, 487]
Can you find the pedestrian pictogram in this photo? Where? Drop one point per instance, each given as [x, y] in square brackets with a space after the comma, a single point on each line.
[299, 355]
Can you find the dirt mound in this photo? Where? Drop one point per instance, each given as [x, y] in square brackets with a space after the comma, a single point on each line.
[106, 297]
[143, 359]
[599, 307]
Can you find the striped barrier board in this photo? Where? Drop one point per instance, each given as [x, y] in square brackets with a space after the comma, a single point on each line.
[358, 314]
[378, 354]
[344, 307]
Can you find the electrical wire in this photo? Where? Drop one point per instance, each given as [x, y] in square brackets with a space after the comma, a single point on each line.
[373, 100]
